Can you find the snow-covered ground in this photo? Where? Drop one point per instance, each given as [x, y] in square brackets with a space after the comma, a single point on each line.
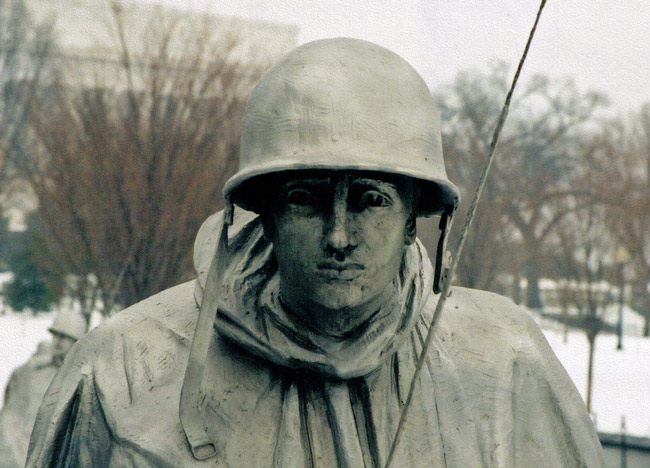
[621, 378]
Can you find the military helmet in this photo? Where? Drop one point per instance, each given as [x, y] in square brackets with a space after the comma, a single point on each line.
[343, 104]
[69, 323]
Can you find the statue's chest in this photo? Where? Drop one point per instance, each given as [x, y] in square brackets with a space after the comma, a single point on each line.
[262, 415]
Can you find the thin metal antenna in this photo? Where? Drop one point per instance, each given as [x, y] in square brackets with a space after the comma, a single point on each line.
[470, 215]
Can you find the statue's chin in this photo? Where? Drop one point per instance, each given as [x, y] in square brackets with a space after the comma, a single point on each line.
[337, 307]
[339, 295]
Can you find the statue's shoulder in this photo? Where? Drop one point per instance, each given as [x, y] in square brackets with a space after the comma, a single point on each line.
[32, 370]
[168, 315]
[471, 305]
[142, 347]
[488, 324]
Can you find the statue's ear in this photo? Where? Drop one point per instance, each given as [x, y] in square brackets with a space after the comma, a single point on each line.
[410, 230]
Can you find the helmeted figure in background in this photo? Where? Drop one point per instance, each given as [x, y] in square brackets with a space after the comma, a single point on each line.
[28, 384]
[296, 345]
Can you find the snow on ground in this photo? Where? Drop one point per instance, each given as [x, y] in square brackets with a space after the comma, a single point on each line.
[621, 378]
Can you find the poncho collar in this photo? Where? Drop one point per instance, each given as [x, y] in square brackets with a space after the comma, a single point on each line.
[252, 316]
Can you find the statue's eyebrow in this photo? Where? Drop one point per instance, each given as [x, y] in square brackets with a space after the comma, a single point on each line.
[376, 184]
[323, 183]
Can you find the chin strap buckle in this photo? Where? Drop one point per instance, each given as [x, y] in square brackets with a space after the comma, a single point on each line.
[443, 256]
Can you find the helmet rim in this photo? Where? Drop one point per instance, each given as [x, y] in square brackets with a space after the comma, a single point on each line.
[344, 104]
[437, 194]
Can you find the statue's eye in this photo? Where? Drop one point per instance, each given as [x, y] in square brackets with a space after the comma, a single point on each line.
[372, 199]
[300, 197]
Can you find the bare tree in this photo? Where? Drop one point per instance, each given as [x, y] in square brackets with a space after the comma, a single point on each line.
[530, 190]
[129, 166]
[24, 52]
[622, 165]
[469, 107]
[539, 170]
[585, 258]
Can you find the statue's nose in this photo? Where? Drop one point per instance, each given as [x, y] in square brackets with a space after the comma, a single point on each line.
[339, 233]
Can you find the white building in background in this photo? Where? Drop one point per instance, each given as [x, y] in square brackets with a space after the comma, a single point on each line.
[86, 30]
[86, 42]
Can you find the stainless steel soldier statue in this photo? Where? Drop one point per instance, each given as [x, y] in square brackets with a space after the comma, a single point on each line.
[296, 344]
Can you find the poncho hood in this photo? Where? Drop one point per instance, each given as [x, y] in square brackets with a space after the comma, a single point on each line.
[251, 314]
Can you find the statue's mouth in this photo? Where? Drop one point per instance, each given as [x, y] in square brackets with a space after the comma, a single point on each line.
[342, 271]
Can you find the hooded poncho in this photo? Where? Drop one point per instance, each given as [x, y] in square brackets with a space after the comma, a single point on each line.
[277, 394]
[23, 396]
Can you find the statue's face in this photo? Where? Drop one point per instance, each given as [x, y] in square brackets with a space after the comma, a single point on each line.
[61, 344]
[339, 242]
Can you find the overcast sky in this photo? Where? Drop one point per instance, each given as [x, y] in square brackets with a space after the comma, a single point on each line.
[603, 44]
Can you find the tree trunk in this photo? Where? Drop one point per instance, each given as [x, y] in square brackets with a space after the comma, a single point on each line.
[590, 366]
[646, 308]
[565, 318]
[516, 286]
[533, 299]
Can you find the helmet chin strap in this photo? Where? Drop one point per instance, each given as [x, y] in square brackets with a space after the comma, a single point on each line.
[443, 256]
[192, 415]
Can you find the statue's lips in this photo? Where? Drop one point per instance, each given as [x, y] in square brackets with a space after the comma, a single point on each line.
[342, 271]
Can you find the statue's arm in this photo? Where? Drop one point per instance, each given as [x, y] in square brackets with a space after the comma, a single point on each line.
[527, 409]
[70, 429]
[549, 410]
